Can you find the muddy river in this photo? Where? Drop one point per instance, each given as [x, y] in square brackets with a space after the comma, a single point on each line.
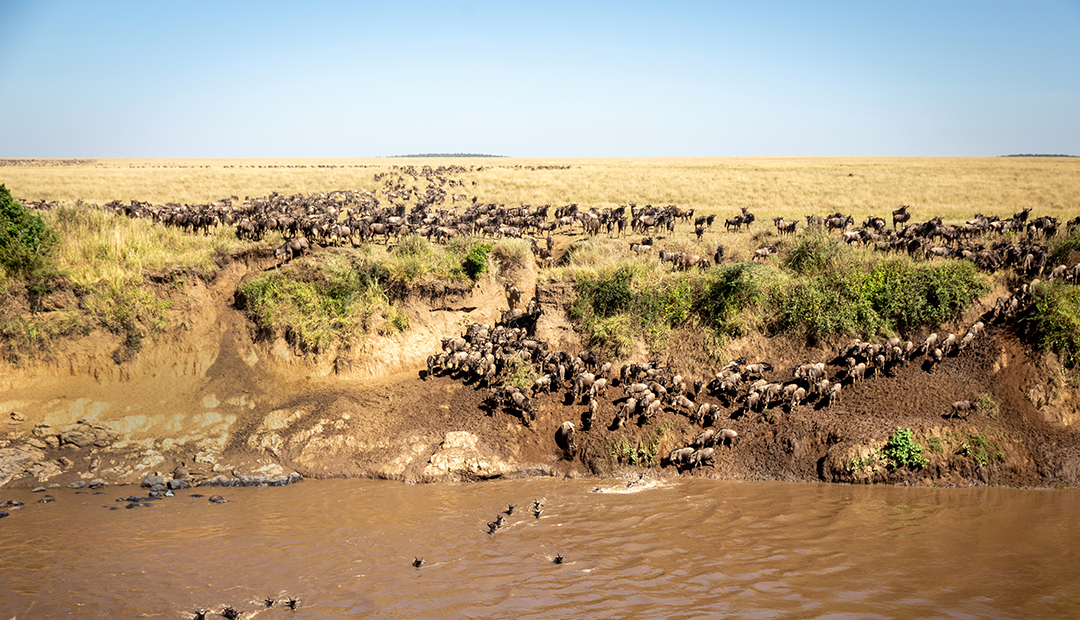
[667, 549]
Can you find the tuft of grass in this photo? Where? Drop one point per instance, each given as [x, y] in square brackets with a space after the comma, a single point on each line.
[396, 321]
[28, 337]
[128, 309]
[980, 449]
[512, 254]
[1061, 246]
[520, 374]
[317, 304]
[988, 405]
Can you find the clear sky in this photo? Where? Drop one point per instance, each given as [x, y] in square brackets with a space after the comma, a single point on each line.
[538, 79]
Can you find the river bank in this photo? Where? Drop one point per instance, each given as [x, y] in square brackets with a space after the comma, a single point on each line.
[231, 408]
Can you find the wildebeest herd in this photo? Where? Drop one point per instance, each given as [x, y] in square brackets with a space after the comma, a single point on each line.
[401, 207]
[485, 355]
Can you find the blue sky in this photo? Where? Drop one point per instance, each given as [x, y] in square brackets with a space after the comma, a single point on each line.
[538, 79]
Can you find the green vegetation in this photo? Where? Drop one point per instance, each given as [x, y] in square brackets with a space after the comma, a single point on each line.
[643, 452]
[337, 298]
[519, 374]
[128, 309]
[101, 261]
[27, 243]
[476, 260]
[31, 335]
[901, 450]
[988, 405]
[415, 259]
[980, 449]
[1055, 320]
[840, 290]
[935, 445]
[821, 287]
[858, 463]
[1061, 246]
[639, 453]
[314, 304]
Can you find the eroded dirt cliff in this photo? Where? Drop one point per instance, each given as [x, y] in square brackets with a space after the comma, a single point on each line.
[210, 397]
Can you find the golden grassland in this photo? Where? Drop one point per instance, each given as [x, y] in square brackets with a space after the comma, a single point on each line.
[954, 188]
[110, 256]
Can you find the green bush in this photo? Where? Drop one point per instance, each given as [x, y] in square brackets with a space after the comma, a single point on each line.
[476, 261]
[27, 243]
[815, 253]
[520, 374]
[729, 295]
[821, 288]
[837, 292]
[901, 450]
[1055, 320]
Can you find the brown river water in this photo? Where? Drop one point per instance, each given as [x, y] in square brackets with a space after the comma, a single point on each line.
[653, 549]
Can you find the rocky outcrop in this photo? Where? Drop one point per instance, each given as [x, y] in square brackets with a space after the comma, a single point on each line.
[461, 455]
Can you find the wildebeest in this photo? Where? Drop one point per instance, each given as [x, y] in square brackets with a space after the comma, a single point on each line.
[900, 216]
[963, 407]
[705, 439]
[293, 248]
[702, 457]
[680, 456]
[564, 438]
[727, 437]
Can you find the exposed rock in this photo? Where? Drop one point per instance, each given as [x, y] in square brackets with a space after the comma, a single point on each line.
[459, 454]
[78, 484]
[176, 485]
[152, 480]
[17, 417]
[43, 470]
[96, 483]
[77, 435]
[14, 463]
[81, 434]
[43, 430]
[217, 499]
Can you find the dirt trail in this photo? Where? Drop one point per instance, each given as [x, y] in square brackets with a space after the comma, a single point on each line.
[210, 397]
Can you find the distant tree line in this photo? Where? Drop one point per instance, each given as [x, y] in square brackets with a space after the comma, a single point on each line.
[448, 155]
[1037, 155]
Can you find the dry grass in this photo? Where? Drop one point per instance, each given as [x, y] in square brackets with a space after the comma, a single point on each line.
[954, 188]
[102, 247]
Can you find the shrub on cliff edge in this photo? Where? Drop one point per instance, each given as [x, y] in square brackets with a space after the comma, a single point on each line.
[27, 243]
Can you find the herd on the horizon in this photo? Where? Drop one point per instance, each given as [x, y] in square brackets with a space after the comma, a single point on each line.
[399, 208]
